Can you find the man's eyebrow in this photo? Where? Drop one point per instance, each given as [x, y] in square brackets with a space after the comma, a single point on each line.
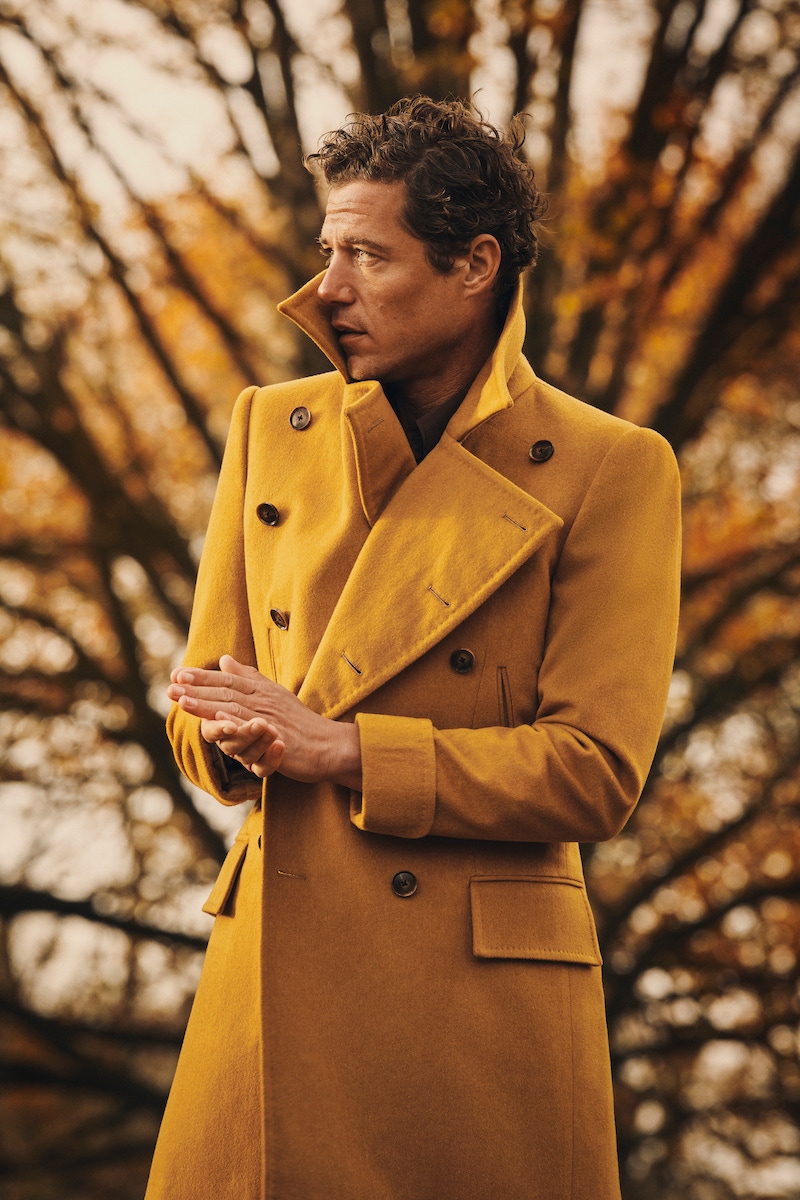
[351, 240]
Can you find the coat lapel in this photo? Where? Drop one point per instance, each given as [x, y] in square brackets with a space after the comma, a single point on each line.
[383, 457]
[450, 536]
[305, 308]
[444, 535]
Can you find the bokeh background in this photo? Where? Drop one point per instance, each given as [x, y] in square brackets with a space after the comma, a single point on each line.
[153, 209]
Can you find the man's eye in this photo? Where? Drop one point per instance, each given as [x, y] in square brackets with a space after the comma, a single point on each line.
[363, 256]
[326, 253]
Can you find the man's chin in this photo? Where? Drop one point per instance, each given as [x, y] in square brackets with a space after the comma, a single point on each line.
[361, 369]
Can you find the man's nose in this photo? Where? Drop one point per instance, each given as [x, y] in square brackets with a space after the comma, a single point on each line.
[334, 287]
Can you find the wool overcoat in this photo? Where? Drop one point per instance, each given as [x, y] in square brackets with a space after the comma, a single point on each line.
[401, 998]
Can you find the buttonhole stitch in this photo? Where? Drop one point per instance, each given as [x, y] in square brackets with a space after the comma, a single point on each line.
[290, 874]
[375, 424]
[351, 664]
[431, 588]
[506, 517]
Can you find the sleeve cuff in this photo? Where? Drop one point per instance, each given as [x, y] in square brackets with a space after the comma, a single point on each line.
[229, 771]
[205, 765]
[398, 766]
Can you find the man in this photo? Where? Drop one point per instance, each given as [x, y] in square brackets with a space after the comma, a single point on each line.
[435, 616]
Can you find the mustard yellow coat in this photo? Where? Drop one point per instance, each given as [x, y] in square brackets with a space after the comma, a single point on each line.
[347, 1042]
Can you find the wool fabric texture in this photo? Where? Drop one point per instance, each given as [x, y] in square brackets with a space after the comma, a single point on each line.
[347, 1042]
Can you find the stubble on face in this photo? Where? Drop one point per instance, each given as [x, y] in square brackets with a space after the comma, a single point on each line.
[397, 319]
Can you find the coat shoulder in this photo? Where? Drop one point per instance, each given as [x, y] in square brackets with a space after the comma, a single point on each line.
[327, 387]
[578, 433]
[556, 448]
[317, 393]
[588, 428]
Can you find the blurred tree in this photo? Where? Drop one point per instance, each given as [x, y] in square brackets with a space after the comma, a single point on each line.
[153, 207]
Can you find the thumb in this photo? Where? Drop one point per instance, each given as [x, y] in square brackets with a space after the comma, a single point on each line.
[233, 667]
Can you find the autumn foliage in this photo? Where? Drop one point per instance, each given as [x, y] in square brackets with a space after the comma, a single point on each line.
[153, 209]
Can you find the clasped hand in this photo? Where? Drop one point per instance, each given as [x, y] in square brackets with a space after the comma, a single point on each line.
[264, 726]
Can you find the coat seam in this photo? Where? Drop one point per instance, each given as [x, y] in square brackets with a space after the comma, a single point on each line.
[571, 1090]
[623, 434]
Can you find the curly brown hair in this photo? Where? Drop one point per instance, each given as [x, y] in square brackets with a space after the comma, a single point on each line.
[463, 177]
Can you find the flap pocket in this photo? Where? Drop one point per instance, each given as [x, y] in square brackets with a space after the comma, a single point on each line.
[228, 874]
[538, 917]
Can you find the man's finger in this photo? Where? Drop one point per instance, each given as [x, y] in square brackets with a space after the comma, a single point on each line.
[253, 728]
[230, 724]
[220, 691]
[269, 762]
[207, 709]
[194, 677]
[232, 666]
[253, 745]
[214, 731]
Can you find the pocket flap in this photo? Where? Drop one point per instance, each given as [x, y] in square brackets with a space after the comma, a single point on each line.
[228, 874]
[532, 917]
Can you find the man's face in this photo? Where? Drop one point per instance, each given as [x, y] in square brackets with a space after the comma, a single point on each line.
[397, 319]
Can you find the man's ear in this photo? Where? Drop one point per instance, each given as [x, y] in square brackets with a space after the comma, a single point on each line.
[480, 264]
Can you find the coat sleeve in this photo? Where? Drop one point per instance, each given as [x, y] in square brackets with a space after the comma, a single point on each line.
[576, 772]
[220, 621]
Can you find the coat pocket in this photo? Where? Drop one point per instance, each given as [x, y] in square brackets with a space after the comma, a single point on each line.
[536, 917]
[228, 874]
[505, 701]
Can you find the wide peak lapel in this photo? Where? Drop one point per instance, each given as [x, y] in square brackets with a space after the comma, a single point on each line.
[449, 537]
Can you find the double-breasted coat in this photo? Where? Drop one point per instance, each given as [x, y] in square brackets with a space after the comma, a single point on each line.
[401, 998]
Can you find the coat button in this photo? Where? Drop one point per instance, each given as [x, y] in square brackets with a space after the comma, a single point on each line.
[281, 619]
[462, 661]
[268, 514]
[404, 884]
[541, 451]
[300, 418]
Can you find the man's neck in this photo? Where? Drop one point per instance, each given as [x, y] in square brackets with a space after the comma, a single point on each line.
[415, 403]
[447, 387]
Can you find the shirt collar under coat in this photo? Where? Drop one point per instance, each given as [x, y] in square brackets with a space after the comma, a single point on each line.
[505, 374]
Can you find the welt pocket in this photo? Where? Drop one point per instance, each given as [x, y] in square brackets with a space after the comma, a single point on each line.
[273, 666]
[228, 874]
[533, 917]
[505, 702]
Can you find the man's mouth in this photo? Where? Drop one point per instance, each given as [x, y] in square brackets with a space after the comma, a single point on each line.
[349, 337]
[347, 332]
